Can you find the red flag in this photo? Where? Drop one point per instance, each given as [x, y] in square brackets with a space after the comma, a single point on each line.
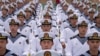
[57, 1]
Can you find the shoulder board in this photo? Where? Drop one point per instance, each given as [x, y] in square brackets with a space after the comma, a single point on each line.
[32, 19]
[73, 37]
[39, 26]
[65, 27]
[14, 54]
[82, 55]
[56, 35]
[28, 25]
[27, 41]
[53, 25]
[92, 27]
[36, 35]
[23, 35]
[99, 52]
[1, 25]
[64, 21]
[53, 19]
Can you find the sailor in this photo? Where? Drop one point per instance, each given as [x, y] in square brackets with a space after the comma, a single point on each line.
[4, 15]
[49, 43]
[94, 44]
[16, 41]
[23, 27]
[91, 17]
[11, 10]
[3, 42]
[77, 44]
[29, 19]
[96, 27]
[46, 26]
[71, 30]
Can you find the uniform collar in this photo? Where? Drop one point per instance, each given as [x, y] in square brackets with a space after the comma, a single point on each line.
[73, 28]
[97, 28]
[5, 52]
[16, 34]
[4, 18]
[97, 54]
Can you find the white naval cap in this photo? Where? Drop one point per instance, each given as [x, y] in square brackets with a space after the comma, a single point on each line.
[5, 7]
[2, 1]
[92, 32]
[62, 1]
[91, 10]
[73, 16]
[98, 5]
[65, 4]
[21, 12]
[47, 13]
[14, 21]
[4, 33]
[7, 1]
[93, 35]
[70, 11]
[82, 20]
[96, 15]
[86, 7]
[49, 2]
[45, 22]
[19, 1]
[94, 4]
[80, 4]
[11, 5]
[47, 53]
[28, 9]
[51, 34]
[32, 6]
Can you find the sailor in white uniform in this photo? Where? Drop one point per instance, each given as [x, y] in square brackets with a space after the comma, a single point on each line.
[49, 43]
[46, 26]
[16, 41]
[23, 28]
[91, 17]
[71, 30]
[29, 19]
[47, 53]
[3, 42]
[78, 44]
[96, 27]
[94, 44]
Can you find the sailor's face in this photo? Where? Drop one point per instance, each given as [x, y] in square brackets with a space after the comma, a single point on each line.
[94, 44]
[86, 11]
[98, 20]
[21, 18]
[1, 3]
[11, 11]
[47, 17]
[13, 28]
[46, 44]
[65, 7]
[19, 5]
[91, 14]
[3, 44]
[4, 12]
[28, 14]
[46, 27]
[73, 21]
[82, 30]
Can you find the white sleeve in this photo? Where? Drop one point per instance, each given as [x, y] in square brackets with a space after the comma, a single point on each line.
[63, 34]
[58, 45]
[30, 48]
[68, 49]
